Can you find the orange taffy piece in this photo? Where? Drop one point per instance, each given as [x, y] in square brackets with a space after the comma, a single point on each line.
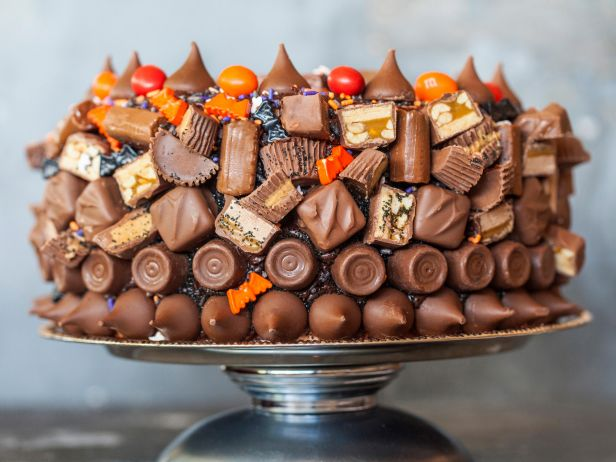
[247, 292]
[222, 106]
[97, 116]
[330, 167]
[168, 105]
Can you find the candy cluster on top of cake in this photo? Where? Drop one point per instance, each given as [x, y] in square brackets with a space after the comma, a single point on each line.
[333, 205]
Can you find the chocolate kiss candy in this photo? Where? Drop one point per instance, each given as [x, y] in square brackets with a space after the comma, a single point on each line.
[359, 270]
[290, 264]
[388, 313]
[389, 83]
[105, 274]
[158, 270]
[283, 78]
[484, 311]
[42, 304]
[420, 269]
[526, 310]
[556, 303]
[334, 317]
[512, 265]
[469, 80]
[67, 303]
[222, 326]
[542, 267]
[177, 318]
[470, 267]
[279, 316]
[218, 266]
[439, 314]
[192, 76]
[123, 89]
[88, 314]
[499, 80]
[131, 315]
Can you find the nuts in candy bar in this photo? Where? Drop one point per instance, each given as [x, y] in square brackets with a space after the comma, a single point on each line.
[569, 250]
[481, 142]
[454, 167]
[367, 125]
[244, 228]
[138, 180]
[511, 157]
[296, 157]
[239, 151]
[81, 155]
[305, 116]
[198, 131]
[274, 198]
[99, 206]
[365, 171]
[409, 155]
[68, 248]
[491, 189]
[330, 167]
[131, 125]
[539, 158]
[493, 225]
[390, 221]
[129, 235]
[451, 115]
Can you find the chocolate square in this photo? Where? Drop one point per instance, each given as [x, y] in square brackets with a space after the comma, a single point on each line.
[305, 116]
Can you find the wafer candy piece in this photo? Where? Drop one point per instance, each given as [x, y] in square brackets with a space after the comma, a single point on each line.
[365, 171]
[491, 189]
[138, 180]
[132, 125]
[481, 142]
[539, 158]
[390, 221]
[129, 235]
[367, 125]
[493, 225]
[409, 155]
[81, 155]
[511, 156]
[68, 248]
[305, 115]
[274, 199]
[569, 250]
[239, 152]
[451, 115]
[240, 225]
[198, 131]
[296, 157]
[456, 168]
[570, 151]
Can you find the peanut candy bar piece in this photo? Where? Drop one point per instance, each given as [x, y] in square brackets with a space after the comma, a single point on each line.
[390, 221]
[367, 125]
[81, 155]
[274, 199]
[68, 248]
[493, 225]
[539, 158]
[138, 180]
[481, 142]
[124, 239]
[451, 115]
[244, 228]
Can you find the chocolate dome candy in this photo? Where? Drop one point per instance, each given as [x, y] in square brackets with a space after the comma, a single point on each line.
[87, 315]
[526, 310]
[484, 311]
[439, 314]
[283, 78]
[419, 269]
[131, 315]
[279, 316]
[388, 313]
[470, 267]
[389, 83]
[177, 318]
[123, 88]
[469, 80]
[222, 326]
[542, 267]
[359, 270]
[532, 212]
[556, 303]
[192, 76]
[290, 264]
[105, 274]
[158, 270]
[334, 317]
[512, 265]
[218, 266]
[67, 279]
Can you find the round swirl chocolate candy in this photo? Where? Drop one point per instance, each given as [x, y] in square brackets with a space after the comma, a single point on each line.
[105, 274]
[177, 318]
[469, 267]
[67, 279]
[87, 316]
[512, 265]
[440, 314]
[222, 326]
[359, 270]
[158, 270]
[279, 316]
[131, 315]
[334, 317]
[290, 264]
[542, 267]
[420, 269]
[218, 266]
[388, 313]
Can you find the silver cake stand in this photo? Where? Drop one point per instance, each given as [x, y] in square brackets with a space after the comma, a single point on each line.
[316, 401]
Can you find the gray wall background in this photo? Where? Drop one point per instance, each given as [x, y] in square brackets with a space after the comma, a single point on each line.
[553, 51]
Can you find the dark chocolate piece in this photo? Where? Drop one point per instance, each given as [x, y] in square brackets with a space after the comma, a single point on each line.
[556, 303]
[99, 206]
[455, 168]
[61, 193]
[131, 315]
[157, 270]
[296, 157]
[105, 274]
[123, 88]
[365, 171]
[532, 212]
[451, 115]
[198, 131]
[388, 83]
[542, 267]
[218, 266]
[494, 225]
[274, 198]
[334, 317]
[469, 80]
[390, 220]
[388, 314]
[68, 248]
[482, 142]
[132, 125]
[494, 185]
[484, 312]
[439, 314]
[367, 125]
[499, 80]
[81, 155]
[511, 157]
[192, 76]
[569, 250]
[290, 264]
[87, 316]
[359, 270]
[527, 312]
[279, 316]
[177, 318]
[469, 267]
[67, 279]
[283, 78]
[222, 326]
[305, 116]
[419, 269]
[512, 264]
[126, 237]
[409, 155]
[138, 180]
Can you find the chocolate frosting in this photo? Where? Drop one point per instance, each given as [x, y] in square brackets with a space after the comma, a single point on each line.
[439, 314]
[177, 318]
[218, 266]
[359, 270]
[279, 316]
[290, 264]
[484, 311]
[420, 269]
[131, 315]
[527, 312]
[469, 80]
[192, 76]
[556, 303]
[542, 267]
[67, 279]
[389, 83]
[283, 77]
[61, 193]
[512, 265]
[99, 206]
[105, 274]
[499, 80]
[532, 212]
[222, 326]
[333, 317]
[123, 89]
[158, 270]
[88, 314]
[470, 267]
[388, 313]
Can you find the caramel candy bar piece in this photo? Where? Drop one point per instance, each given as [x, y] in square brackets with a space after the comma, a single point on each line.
[451, 115]
[570, 151]
[138, 180]
[296, 157]
[390, 221]
[491, 189]
[511, 156]
[125, 238]
[493, 225]
[244, 228]
[539, 158]
[409, 155]
[274, 199]
[239, 152]
[305, 116]
[367, 125]
[569, 250]
[365, 171]
[454, 167]
[198, 131]
[68, 248]
[131, 125]
[481, 142]
[81, 155]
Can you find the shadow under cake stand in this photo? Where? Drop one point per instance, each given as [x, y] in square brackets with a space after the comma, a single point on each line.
[316, 401]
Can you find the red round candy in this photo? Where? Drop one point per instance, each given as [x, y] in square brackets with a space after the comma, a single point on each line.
[146, 79]
[495, 90]
[345, 79]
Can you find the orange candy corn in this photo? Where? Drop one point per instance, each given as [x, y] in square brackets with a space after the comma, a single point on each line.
[247, 292]
[432, 85]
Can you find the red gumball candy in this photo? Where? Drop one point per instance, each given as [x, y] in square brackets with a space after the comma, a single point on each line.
[146, 79]
[495, 90]
[345, 79]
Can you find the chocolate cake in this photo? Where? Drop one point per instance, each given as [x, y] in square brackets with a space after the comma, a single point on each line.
[304, 207]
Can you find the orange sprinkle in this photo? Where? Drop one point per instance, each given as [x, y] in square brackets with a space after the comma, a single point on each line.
[247, 292]
[73, 226]
[476, 239]
[223, 106]
[333, 104]
[347, 102]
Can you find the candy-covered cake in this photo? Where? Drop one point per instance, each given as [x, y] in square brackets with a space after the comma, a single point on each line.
[334, 205]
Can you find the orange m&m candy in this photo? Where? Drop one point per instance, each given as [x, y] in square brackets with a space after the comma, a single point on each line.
[103, 83]
[237, 80]
[432, 85]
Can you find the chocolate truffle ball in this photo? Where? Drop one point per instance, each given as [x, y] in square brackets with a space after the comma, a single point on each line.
[512, 265]
[388, 313]
[334, 317]
[158, 270]
[279, 316]
[290, 264]
[218, 266]
[527, 312]
[88, 314]
[222, 326]
[177, 318]
[359, 270]
[420, 269]
[105, 274]
[440, 314]
[131, 315]
[484, 311]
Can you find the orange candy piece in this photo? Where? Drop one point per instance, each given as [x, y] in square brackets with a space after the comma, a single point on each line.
[96, 116]
[330, 167]
[237, 80]
[103, 83]
[222, 106]
[247, 292]
[171, 107]
[432, 85]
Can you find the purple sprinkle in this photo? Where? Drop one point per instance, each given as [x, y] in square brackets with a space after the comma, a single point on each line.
[310, 92]
[144, 105]
[79, 232]
[226, 119]
[271, 93]
[215, 159]
[323, 93]
[241, 97]
[410, 189]
[110, 303]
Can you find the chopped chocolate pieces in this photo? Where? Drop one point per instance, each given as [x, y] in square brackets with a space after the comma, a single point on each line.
[239, 152]
[305, 116]
[198, 131]
[570, 151]
[365, 171]
[481, 142]
[491, 189]
[493, 225]
[454, 167]
[81, 155]
[68, 248]
[540, 125]
[125, 238]
[511, 157]
[451, 115]
[409, 155]
[138, 180]
[367, 125]
[131, 125]
[61, 193]
[274, 199]
[569, 250]
[99, 206]
[296, 157]
[390, 221]
[539, 158]
[532, 212]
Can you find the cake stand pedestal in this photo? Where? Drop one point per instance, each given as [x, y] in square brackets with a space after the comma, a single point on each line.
[316, 401]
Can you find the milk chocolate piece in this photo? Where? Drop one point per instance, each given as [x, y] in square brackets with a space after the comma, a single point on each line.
[81, 155]
[527, 312]
[511, 157]
[239, 152]
[61, 193]
[192, 76]
[367, 125]
[420, 269]
[279, 316]
[99, 206]
[283, 78]
[67, 279]
[330, 215]
[494, 225]
[177, 318]
[491, 189]
[79, 115]
[35, 154]
[512, 264]
[440, 217]
[439, 314]
[244, 228]
[41, 232]
[550, 186]
[334, 317]
[183, 218]
[222, 326]
[409, 155]
[132, 125]
[388, 314]
[570, 151]
[455, 168]
[563, 212]
[198, 131]
[569, 250]
[365, 171]
[274, 198]
[532, 212]
[484, 312]
[296, 157]
[305, 116]
[543, 267]
[499, 80]
[556, 303]
[218, 266]
[87, 315]
[540, 125]
[68, 248]
[469, 80]
[125, 238]
[131, 315]
[158, 270]
[539, 158]
[482, 142]
[451, 115]
[138, 180]
[42, 304]
[388, 83]
[290, 264]
[105, 274]
[62, 308]
[469, 267]
[123, 88]
[359, 270]
[390, 220]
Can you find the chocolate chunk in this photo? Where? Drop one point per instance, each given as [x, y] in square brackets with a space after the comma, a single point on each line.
[131, 315]
[481, 142]
[569, 250]
[177, 318]
[79, 115]
[157, 270]
[125, 238]
[512, 264]
[455, 168]
[105, 274]
[532, 212]
[469, 267]
[439, 314]
[222, 326]
[290, 264]
[419, 269]
[218, 266]
[87, 316]
[138, 180]
[61, 193]
[367, 125]
[570, 151]
[563, 117]
[540, 125]
[35, 154]
[132, 125]
[334, 317]
[239, 152]
[41, 232]
[527, 312]
[491, 189]
[68, 248]
[279, 317]
[99, 206]
[192, 76]
[390, 221]
[539, 158]
[441, 216]
[499, 80]
[305, 116]
[359, 270]
[543, 267]
[179, 165]
[67, 279]
[296, 157]
[198, 131]
[81, 155]
[565, 181]
[388, 83]
[511, 157]
[388, 314]
[451, 115]
[484, 312]
[563, 212]
[556, 303]
[330, 216]
[274, 198]
[469, 80]
[409, 155]
[494, 225]
[365, 171]
[283, 78]
[123, 88]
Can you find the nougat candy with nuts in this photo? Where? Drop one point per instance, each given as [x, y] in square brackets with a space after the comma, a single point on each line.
[367, 125]
[390, 221]
[124, 239]
[569, 250]
[81, 155]
[451, 115]
[138, 180]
